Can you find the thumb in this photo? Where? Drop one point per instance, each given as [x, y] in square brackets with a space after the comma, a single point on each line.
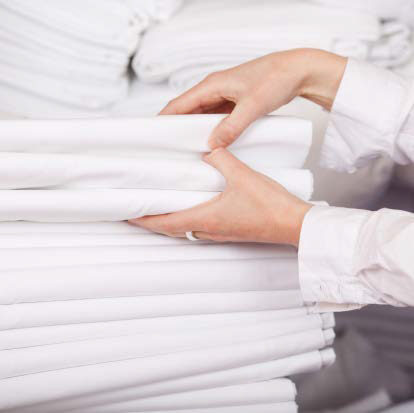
[225, 162]
[232, 126]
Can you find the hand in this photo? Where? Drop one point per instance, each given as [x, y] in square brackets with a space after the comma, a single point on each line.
[259, 87]
[253, 208]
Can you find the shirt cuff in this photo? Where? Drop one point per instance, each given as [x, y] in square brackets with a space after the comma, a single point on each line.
[370, 109]
[327, 247]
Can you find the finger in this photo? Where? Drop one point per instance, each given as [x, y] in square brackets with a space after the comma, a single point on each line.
[178, 222]
[226, 163]
[231, 127]
[206, 93]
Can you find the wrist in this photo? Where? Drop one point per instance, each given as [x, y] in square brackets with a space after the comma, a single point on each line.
[322, 76]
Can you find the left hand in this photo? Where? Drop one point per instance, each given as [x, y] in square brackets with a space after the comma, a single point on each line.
[252, 208]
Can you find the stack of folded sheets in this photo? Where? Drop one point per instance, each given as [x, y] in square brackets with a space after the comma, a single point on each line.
[215, 35]
[72, 52]
[100, 316]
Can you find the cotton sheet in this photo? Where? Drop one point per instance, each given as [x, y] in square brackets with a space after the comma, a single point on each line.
[69, 171]
[147, 278]
[47, 387]
[38, 359]
[301, 363]
[175, 135]
[244, 30]
[266, 392]
[17, 258]
[39, 336]
[126, 308]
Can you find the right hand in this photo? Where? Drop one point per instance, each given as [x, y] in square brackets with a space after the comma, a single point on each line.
[259, 87]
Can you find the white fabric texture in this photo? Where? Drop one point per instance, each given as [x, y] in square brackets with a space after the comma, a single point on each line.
[388, 10]
[106, 376]
[28, 337]
[78, 51]
[52, 171]
[362, 257]
[180, 52]
[248, 374]
[381, 111]
[149, 278]
[124, 308]
[122, 137]
[38, 359]
[265, 392]
[167, 174]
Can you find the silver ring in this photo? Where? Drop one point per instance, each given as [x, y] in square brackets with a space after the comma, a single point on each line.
[190, 236]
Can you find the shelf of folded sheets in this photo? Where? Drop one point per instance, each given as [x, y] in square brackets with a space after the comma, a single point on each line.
[99, 315]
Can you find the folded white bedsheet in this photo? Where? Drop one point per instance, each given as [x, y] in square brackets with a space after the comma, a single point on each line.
[111, 25]
[37, 336]
[70, 228]
[44, 240]
[171, 136]
[18, 258]
[147, 278]
[30, 360]
[126, 308]
[244, 30]
[265, 392]
[86, 93]
[74, 171]
[287, 366]
[51, 387]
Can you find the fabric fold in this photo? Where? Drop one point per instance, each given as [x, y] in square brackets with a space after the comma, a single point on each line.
[290, 137]
[68, 171]
[47, 389]
[266, 392]
[125, 308]
[146, 279]
[17, 258]
[39, 336]
[19, 362]
[301, 363]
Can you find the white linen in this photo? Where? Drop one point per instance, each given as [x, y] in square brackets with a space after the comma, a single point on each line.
[71, 228]
[18, 258]
[291, 137]
[147, 278]
[367, 256]
[300, 363]
[30, 360]
[47, 387]
[126, 308]
[180, 48]
[74, 171]
[78, 52]
[265, 392]
[390, 10]
[157, 10]
[37, 336]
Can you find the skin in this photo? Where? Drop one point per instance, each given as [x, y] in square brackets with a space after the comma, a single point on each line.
[253, 207]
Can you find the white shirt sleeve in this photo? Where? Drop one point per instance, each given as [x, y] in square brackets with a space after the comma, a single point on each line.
[372, 116]
[355, 257]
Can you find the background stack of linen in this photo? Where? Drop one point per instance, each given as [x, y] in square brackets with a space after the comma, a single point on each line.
[99, 316]
[240, 30]
[76, 53]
